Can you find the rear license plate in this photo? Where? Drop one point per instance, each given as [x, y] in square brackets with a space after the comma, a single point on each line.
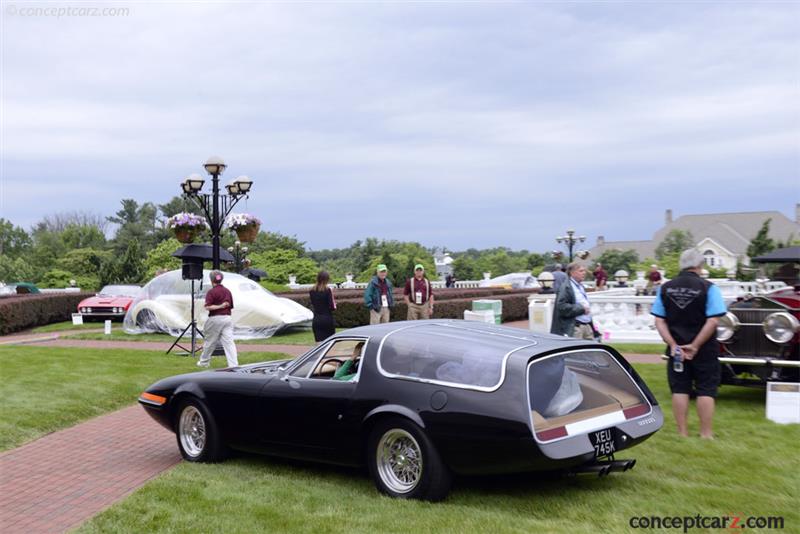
[603, 442]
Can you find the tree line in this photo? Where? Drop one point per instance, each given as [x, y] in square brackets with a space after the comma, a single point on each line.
[74, 246]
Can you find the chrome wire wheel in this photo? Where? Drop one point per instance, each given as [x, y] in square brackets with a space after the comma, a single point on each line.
[399, 460]
[192, 431]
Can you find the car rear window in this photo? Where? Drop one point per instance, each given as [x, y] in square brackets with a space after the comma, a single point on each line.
[578, 391]
[447, 355]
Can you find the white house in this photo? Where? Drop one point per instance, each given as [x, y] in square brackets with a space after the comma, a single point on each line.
[723, 238]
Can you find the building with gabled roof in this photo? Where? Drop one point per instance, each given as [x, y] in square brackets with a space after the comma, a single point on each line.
[722, 237]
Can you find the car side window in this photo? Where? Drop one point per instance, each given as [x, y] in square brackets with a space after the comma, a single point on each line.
[340, 361]
[302, 370]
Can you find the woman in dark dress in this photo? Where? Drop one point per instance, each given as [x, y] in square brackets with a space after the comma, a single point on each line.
[323, 304]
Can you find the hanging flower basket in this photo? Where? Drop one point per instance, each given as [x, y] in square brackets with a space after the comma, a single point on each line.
[185, 235]
[245, 225]
[248, 234]
[186, 226]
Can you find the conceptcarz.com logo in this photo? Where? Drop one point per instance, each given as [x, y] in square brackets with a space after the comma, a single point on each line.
[687, 522]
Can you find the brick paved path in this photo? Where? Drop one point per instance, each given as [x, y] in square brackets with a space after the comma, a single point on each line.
[59, 481]
[293, 350]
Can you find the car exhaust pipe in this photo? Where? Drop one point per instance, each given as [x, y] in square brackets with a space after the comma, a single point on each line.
[604, 468]
[601, 469]
[621, 465]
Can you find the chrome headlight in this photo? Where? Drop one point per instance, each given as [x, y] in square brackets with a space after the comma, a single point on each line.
[780, 327]
[726, 327]
[88, 310]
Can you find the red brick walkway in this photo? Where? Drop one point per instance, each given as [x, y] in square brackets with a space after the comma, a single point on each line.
[59, 481]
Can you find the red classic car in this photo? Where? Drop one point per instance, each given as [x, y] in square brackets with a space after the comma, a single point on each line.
[760, 339]
[112, 302]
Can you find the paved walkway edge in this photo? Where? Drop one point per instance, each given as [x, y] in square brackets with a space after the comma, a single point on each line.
[57, 482]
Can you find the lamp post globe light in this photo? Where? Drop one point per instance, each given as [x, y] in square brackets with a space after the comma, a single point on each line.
[546, 279]
[570, 240]
[215, 206]
[239, 255]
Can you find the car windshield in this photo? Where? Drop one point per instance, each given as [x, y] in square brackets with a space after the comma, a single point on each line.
[119, 291]
[448, 355]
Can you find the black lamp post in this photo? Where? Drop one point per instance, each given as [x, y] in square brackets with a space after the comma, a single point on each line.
[570, 240]
[239, 255]
[215, 206]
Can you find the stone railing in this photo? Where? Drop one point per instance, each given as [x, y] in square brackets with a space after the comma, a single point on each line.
[623, 317]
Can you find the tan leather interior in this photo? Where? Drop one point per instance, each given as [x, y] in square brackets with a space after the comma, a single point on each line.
[602, 396]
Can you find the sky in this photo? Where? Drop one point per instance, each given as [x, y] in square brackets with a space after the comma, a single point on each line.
[456, 124]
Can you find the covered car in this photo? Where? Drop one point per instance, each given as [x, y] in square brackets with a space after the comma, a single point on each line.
[759, 339]
[419, 402]
[111, 302]
[512, 281]
[165, 305]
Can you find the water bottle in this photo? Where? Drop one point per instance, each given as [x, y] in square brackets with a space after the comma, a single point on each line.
[677, 360]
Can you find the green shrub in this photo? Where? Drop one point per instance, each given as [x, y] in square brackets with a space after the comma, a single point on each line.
[18, 312]
[450, 304]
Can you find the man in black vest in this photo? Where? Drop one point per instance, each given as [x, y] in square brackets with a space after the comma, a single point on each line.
[686, 310]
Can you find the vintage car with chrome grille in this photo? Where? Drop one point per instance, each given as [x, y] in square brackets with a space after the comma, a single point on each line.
[760, 339]
[419, 401]
[112, 302]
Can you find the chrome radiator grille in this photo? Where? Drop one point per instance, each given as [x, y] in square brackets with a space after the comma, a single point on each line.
[750, 339]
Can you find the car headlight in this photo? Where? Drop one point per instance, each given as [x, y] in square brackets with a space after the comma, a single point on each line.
[83, 310]
[88, 310]
[726, 327]
[780, 327]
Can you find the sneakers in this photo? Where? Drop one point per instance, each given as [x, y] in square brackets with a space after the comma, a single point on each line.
[203, 364]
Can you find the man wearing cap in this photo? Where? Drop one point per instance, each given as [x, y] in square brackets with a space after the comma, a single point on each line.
[418, 295]
[378, 296]
[218, 327]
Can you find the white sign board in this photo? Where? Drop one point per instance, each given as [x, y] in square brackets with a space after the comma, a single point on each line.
[783, 402]
[107, 329]
[482, 316]
[77, 318]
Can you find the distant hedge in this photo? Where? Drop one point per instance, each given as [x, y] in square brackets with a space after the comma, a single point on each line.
[18, 312]
[450, 304]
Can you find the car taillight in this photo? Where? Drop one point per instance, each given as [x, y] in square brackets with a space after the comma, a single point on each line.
[552, 433]
[636, 411]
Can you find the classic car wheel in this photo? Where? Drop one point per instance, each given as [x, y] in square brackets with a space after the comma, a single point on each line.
[404, 463]
[197, 433]
[146, 319]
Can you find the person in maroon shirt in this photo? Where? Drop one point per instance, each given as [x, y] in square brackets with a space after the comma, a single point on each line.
[418, 295]
[219, 327]
[600, 277]
[653, 280]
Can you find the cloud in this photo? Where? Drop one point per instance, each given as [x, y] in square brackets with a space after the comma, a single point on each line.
[490, 112]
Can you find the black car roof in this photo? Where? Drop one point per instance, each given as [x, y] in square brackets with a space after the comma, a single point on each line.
[467, 331]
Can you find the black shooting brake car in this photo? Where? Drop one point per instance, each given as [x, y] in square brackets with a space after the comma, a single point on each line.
[421, 400]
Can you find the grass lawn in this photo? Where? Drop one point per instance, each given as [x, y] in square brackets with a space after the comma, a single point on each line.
[67, 325]
[295, 337]
[750, 469]
[639, 348]
[46, 389]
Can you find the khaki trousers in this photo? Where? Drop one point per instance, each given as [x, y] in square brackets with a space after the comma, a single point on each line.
[418, 311]
[379, 317]
[583, 331]
[219, 329]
